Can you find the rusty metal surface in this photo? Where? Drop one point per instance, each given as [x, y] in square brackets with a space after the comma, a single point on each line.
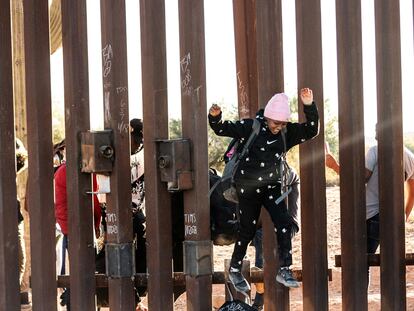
[75, 64]
[244, 15]
[39, 124]
[270, 80]
[375, 260]
[9, 274]
[174, 162]
[351, 153]
[155, 111]
[390, 154]
[312, 160]
[115, 82]
[194, 124]
[96, 151]
[269, 49]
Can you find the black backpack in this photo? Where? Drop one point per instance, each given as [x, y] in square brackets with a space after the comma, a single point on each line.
[236, 304]
[223, 214]
[234, 153]
[288, 176]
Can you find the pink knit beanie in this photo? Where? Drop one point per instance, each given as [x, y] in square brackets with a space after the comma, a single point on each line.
[278, 108]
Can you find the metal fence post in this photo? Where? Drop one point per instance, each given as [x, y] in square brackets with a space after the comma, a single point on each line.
[116, 117]
[80, 215]
[312, 160]
[40, 149]
[194, 116]
[9, 274]
[351, 154]
[270, 81]
[390, 154]
[155, 108]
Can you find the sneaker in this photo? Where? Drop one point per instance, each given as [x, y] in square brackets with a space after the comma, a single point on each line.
[238, 280]
[258, 302]
[285, 277]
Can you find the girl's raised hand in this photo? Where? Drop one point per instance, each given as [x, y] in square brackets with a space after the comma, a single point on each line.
[215, 110]
[306, 95]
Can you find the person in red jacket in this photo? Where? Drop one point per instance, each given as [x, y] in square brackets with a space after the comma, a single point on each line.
[61, 204]
[61, 209]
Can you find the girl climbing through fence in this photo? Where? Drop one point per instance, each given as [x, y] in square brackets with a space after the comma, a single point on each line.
[259, 176]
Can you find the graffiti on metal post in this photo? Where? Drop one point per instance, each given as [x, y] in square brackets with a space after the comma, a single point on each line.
[123, 127]
[121, 89]
[111, 219]
[186, 74]
[107, 55]
[190, 224]
[243, 94]
[123, 123]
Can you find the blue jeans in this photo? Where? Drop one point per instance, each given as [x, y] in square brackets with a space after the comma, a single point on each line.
[373, 238]
[64, 248]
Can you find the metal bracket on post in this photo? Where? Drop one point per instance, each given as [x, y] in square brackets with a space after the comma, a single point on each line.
[97, 151]
[120, 260]
[198, 258]
[174, 163]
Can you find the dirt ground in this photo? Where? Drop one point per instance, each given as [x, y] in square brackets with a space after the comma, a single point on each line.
[334, 246]
[334, 242]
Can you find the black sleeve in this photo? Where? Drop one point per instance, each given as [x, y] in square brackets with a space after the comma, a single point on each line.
[237, 129]
[298, 133]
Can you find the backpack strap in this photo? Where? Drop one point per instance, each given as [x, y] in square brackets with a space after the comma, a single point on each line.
[246, 146]
[214, 187]
[285, 188]
[252, 137]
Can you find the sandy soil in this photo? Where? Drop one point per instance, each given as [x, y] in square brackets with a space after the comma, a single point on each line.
[334, 242]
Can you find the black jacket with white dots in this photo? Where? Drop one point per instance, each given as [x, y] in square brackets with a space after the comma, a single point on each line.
[260, 166]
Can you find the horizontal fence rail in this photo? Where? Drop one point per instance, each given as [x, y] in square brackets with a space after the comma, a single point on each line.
[178, 278]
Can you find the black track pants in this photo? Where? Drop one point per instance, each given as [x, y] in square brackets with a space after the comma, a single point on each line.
[251, 199]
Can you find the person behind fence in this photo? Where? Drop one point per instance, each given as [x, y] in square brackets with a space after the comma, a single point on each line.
[138, 196]
[21, 165]
[59, 154]
[138, 210]
[258, 178]
[372, 190]
[61, 215]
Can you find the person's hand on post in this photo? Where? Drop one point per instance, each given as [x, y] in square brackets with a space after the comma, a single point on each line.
[306, 95]
[215, 110]
[330, 161]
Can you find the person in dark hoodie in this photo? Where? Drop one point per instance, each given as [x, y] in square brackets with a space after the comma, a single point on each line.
[258, 176]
